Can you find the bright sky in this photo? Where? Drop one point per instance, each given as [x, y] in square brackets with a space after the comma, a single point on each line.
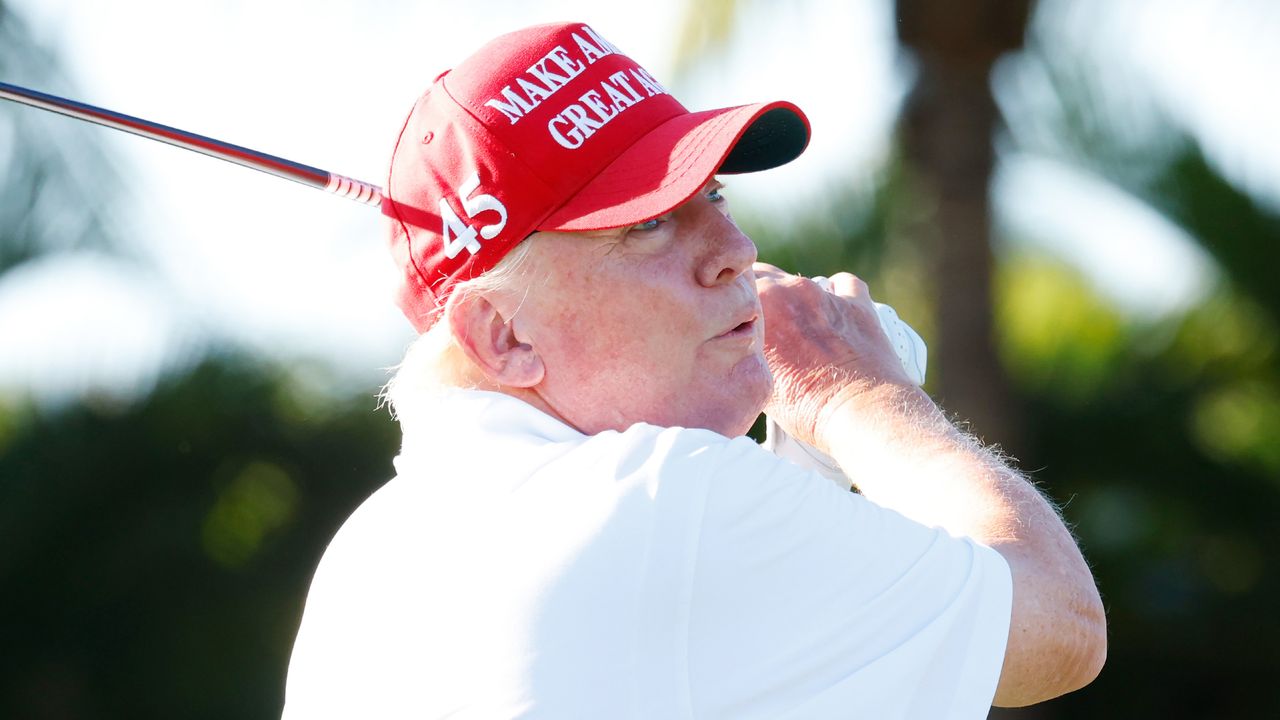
[286, 270]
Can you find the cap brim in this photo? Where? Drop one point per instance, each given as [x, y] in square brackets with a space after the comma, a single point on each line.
[673, 161]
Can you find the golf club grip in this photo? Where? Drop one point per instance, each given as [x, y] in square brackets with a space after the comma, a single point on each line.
[352, 189]
[314, 177]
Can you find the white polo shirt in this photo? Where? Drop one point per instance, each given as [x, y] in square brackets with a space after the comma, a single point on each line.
[518, 568]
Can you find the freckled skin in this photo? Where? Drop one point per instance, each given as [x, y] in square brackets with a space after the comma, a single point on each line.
[631, 323]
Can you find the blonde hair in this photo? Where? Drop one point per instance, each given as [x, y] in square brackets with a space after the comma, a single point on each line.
[434, 362]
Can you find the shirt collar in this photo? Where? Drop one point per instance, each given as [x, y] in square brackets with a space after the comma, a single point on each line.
[457, 413]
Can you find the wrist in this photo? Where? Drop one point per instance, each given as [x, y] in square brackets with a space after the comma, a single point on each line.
[875, 411]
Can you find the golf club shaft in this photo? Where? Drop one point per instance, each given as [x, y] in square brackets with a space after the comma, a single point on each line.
[314, 177]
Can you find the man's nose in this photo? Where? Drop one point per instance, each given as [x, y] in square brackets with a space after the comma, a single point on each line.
[728, 251]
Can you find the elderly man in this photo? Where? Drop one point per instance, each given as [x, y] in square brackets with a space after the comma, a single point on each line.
[578, 527]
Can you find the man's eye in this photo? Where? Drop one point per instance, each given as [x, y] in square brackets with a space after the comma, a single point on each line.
[647, 225]
[714, 195]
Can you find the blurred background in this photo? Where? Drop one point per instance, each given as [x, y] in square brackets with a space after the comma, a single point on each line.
[1077, 203]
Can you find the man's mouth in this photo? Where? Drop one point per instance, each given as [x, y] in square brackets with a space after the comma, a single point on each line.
[742, 329]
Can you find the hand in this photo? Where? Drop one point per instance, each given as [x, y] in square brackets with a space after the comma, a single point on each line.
[823, 348]
[839, 386]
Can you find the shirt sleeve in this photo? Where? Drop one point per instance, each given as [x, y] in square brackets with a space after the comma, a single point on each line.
[810, 601]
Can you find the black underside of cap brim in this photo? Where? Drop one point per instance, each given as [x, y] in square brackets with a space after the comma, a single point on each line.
[775, 138]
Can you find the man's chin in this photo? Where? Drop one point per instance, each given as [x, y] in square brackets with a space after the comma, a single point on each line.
[751, 383]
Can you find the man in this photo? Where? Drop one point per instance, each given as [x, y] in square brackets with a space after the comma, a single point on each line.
[578, 528]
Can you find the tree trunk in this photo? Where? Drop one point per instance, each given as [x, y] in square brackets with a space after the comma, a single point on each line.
[948, 130]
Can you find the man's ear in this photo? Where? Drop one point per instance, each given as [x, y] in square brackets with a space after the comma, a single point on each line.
[489, 341]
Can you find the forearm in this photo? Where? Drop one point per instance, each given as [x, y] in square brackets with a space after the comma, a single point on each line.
[903, 454]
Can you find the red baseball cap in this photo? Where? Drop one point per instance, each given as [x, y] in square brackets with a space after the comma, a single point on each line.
[553, 128]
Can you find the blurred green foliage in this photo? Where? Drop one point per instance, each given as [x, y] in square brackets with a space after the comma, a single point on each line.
[1160, 442]
[154, 556]
[1163, 437]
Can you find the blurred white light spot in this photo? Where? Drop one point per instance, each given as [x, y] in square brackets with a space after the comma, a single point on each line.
[83, 324]
[1132, 255]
